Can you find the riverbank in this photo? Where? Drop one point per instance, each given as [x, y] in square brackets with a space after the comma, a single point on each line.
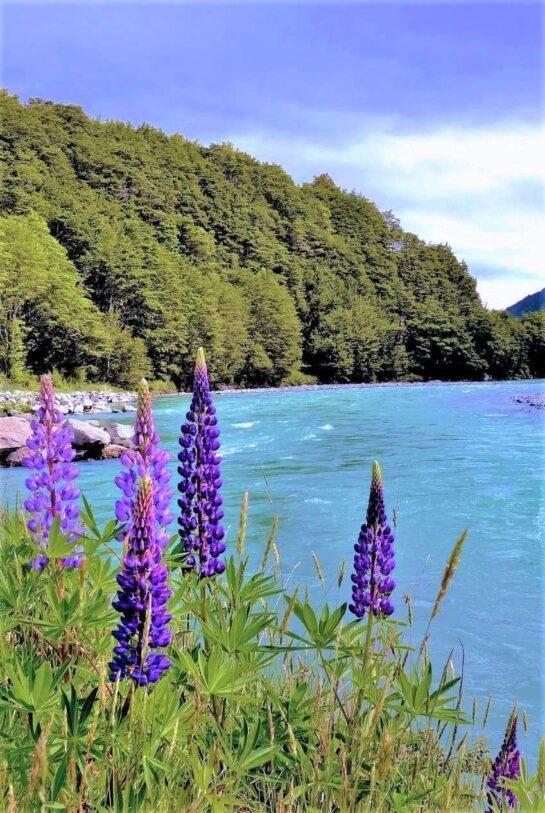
[17, 402]
[93, 439]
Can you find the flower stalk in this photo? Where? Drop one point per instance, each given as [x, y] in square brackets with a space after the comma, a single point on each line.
[146, 459]
[52, 482]
[142, 599]
[505, 766]
[374, 559]
[201, 531]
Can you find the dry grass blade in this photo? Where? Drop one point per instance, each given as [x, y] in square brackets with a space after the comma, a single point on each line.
[243, 522]
[341, 573]
[318, 569]
[270, 543]
[448, 574]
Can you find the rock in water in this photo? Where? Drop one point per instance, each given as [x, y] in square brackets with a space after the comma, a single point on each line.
[14, 433]
[537, 400]
[112, 450]
[16, 457]
[120, 433]
[85, 434]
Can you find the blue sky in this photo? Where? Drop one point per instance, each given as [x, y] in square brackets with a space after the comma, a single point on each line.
[433, 110]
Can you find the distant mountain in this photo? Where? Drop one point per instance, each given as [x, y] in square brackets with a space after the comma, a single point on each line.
[530, 303]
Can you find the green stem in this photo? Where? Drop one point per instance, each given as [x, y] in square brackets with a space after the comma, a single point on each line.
[368, 646]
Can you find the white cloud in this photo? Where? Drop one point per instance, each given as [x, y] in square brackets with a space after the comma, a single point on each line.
[478, 188]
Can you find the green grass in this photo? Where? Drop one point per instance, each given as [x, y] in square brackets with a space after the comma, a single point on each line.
[30, 383]
[269, 706]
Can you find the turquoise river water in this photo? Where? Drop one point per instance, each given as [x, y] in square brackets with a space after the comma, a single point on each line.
[454, 456]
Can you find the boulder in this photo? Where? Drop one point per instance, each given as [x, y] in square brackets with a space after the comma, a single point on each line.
[112, 450]
[117, 406]
[14, 433]
[16, 457]
[120, 433]
[85, 434]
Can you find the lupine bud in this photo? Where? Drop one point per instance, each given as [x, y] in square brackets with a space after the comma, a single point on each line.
[142, 599]
[374, 557]
[201, 530]
[52, 483]
[145, 459]
[506, 766]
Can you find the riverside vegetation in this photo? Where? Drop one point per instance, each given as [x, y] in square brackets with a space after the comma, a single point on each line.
[220, 690]
[122, 250]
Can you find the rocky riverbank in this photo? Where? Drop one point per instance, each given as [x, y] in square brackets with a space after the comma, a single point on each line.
[93, 440]
[15, 402]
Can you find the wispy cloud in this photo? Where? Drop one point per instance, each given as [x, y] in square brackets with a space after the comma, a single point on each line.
[480, 189]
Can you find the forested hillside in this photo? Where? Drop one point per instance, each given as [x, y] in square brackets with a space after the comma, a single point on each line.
[124, 249]
[530, 304]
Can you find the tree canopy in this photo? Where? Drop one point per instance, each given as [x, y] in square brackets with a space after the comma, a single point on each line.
[124, 249]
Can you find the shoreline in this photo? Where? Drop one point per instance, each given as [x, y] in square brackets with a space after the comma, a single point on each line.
[20, 402]
[356, 385]
[80, 402]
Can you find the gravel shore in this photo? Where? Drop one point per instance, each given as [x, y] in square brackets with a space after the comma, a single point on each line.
[14, 402]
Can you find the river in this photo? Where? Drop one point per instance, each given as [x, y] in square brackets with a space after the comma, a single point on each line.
[454, 456]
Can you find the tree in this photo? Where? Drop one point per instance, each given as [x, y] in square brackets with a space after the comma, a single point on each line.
[40, 288]
[274, 331]
[534, 339]
[169, 245]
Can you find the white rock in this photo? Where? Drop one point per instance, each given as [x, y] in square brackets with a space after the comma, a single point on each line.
[14, 432]
[87, 435]
[120, 433]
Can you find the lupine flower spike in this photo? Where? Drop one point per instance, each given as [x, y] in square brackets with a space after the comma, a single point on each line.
[201, 530]
[506, 766]
[374, 557]
[145, 459]
[52, 483]
[142, 599]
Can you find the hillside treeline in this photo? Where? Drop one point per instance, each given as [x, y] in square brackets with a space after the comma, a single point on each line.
[123, 249]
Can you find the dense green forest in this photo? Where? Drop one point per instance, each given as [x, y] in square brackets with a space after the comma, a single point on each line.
[123, 249]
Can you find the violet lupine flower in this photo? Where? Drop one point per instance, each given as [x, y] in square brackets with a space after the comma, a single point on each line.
[142, 599]
[506, 766]
[145, 459]
[374, 557]
[201, 530]
[52, 484]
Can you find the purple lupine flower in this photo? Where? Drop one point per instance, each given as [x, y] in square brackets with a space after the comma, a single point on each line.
[142, 599]
[145, 459]
[374, 557]
[201, 530]
[52, 483]
[506, 766]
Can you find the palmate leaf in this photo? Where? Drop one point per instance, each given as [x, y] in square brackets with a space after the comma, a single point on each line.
[323, 632]
[29, 691]
[414, 697]
[237, 634]
[250, 591]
